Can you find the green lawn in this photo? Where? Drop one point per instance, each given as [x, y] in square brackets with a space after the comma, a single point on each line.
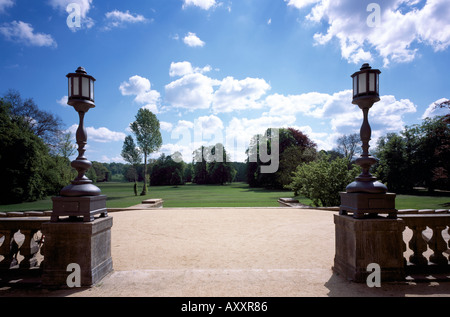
[233, 195]
[192, 195]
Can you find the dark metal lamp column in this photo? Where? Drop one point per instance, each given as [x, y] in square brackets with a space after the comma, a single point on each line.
[366, 195]
[81, 198]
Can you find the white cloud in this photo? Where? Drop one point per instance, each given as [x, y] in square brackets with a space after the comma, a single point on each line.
[291, 104]
[85, 5]
[102, 134]
[21, 32]
[209, 123]
[341, 115]
[5, 4]
[185, 124]
[166, 126]
[63, 101]
[299, 4]
[192, 91]
[192, 40]
[432, 110]
[118, 18]
[136, 85]
[413, 21]
[115, 159]
[204, 4]
[234, 94]
[141, 88]
[195, 91]
[179, 69]
[171, 148]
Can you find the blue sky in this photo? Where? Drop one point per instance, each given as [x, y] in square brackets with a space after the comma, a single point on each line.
[223, 71]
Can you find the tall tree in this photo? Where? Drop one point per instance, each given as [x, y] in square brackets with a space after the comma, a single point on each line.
[294, 149]
[322, 180]
[220, 171]
[148, 136]
[132, 155]
[65, 147]
[212, 166]
[393, 167]
[163, 168]
[349, 146]
[28, 171]
[42, 123]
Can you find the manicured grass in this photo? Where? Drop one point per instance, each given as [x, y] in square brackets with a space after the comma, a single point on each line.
[422, 202]
[192, 195]
[120, 195]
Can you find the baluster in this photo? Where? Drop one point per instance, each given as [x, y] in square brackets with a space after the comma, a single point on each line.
[36, 246]
[28, 249]
[448, 231]
[2, 247]
[417, 245]
[438, 245]
[5, 249]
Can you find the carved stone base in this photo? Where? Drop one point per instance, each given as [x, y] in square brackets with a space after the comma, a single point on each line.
[360, 242]
[87, 244]
[367, 204]
[85, 206]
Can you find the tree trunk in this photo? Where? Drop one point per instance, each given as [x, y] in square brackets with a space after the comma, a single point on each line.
[144, 190]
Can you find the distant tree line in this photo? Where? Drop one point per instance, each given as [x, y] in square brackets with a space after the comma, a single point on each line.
[419, 156]
[172, 170]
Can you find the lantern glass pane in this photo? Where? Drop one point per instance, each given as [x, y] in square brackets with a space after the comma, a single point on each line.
[85, 87]
[362, 78]
[70, 87]
[92, 89]
[76, 88]
[372, 82]
[378, 87]
[355, 85]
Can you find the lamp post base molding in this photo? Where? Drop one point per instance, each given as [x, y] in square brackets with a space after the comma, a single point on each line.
[362, 242]
[368, 204]
[86, 245]
[84, 206]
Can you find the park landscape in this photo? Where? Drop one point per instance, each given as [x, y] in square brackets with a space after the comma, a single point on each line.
[220, 144]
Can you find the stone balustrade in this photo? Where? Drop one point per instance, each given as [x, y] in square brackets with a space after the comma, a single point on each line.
[427, 235]
[21, 240]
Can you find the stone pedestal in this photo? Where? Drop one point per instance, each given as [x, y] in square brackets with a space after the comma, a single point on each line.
[368, 204]
[360, 242]
[83, 206]
[87, 244]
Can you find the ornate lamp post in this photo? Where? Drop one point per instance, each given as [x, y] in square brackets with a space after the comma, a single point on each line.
[366, 237]
[365, 94]
[81, 197]
[81, 97]
[366, 195]
[78, 238]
